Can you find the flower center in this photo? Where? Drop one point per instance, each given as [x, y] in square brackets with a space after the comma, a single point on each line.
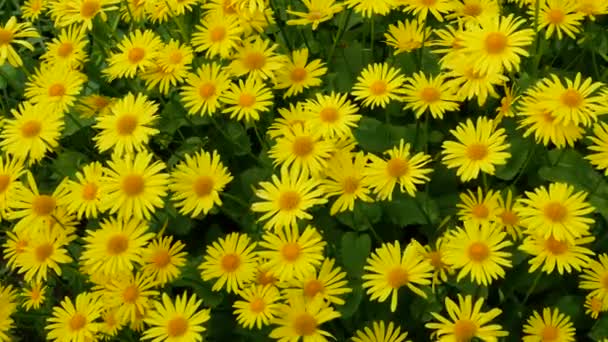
[57, 89]
[509, 218]
[555, 212]
[161, 258]
[203, 186]
[265, 278]
[230, 262]
[254, 61]
[312, 287]
[378, 88]
[257, 305]
[571, 98]
[428, 3]
[397, 277]
[6, 36]
[65, 49]
[130, 294]
[126, 124]
[43, 205]
[291, 251]
[177, 327]
[176, 57]
[350, 184]
[496, 42]
[556, 247]
[78, 321]
[397, 167]
[314, 15]
[480, 211]
[289, 200]
[477, 151]
[117, 244]
[556, 16]
[133, 185]
[89, 8]
[217, 34]
[43, 252]
[298, 74]
[605, 280]
[100, 102]
[472, 9]
[246, 100]
[329, 114]
[435, 259]
[478, 251]
[303, 146]
[136, 54]
[464, 330]
[430, 94]
[550, 333]
[5, 181]
[89, 191]
[31, 129]
[207, 90]
[305, 324]
[20, 246]
[35, 294]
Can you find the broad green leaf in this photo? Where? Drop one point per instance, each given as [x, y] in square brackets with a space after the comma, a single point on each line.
[354, 250]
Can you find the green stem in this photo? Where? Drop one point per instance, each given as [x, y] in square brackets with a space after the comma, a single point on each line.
[371, 38]
[341, 28]
[531, 289]
[426, 131]
[420, 51]
[227, 137]
[236, 200]
[280, 24]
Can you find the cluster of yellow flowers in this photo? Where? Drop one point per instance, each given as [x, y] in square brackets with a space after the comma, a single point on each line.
[286, 277]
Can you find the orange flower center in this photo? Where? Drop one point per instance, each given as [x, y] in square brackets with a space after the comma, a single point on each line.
[314, 15]
[397, 167]
[246, 100]
[43, 252]
[31, 129]
[176, 57]
[133, 185]
[477, 151]
[428, 3]
[65, 49]
[464, 330]
[571, 98]
[78, 321]
[228, 7]
[435, 259]
[556, 16]
[596, 303]
[605, 280]
[35, 294]
[89, 8]
[298, 74]
[206, 90]
[56, 89]
[303, 146]
[547, 117]
[478, 251]
[472, 9]
[265, 278]
[305, 324]
[480, 211]
[217, 34]
[550, 333]
[203, 186]
[177, 327]
[230, 262]
[430, 94]
[350, 184]
[254, 60]
[496, 43]
[126, 124]
[290, 251]
[130, 294]
[20, 246]
[397, 277]
[556, 247]
[5, 180]
[257, 305]
[329, 114]
[289, 200]
[509, 218]
[378, 88]
[161, 258]
[555, 212]
[6, 36]
[89, 191]
[136, 54]
[117, 244]
[312, 287]
[43, 205]
[100, 102]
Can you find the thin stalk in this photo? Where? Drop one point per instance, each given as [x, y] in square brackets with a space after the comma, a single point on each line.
[371, 38]
[280, 25]
[341, 29]
[531, 289]
[236, 200]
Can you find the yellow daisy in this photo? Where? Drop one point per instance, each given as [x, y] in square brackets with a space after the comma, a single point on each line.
[200, 94]
[246, 100]
[552, 254]
[381, 332]
[389, 268]
[81, 12]
[297, 74]
[11, 170]
[67, 48]
[552, 326]
[163, 258]
[470, 11]
[334, 115]
[84, 197]
[507, 103]
[14, 246]
[432, 94]
[137, 52]
[75, 321]
[345, 179]
[591, 8]
[422, 8]
[289, 117]
[599, 155]
[329, 283]
[133, 10]
[407, 36]
[109, 325]
[559, 17]
[217, 35]
[258, 306]
[402, 168]
[299, 319]
[377, 85]
[317, 11]
[437, 258]
[471, 83]
[171, 67]
[32, 9]
[94, 105]
[55, 87]
[131, 295]
[477, 207]
[257, 59]
[507, 216]
[369, 8]
[595, 278]
[8, 306]
[15, 33]
[46, 251]
[594, 306]
[34, 296]
[181, 320]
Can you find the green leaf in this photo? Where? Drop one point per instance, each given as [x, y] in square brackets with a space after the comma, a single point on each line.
[352, 300]
[239, 138]
[520, 151]
[354, 250]
[404, 210]
[68, 162]
[362, 217]
[600, 330]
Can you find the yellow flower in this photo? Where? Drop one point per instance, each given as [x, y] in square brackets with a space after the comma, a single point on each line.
[369, 8]
[333, 115]
[433, 94]
[33, 296]
[81, 12]
[181, 320]
[422, 8]
[297, 74]
[55, 87]
[551, 253]
[299, 319]
[246, 100]
[378, 84]
[8, 306]
[407, 36]
[133, 10]
[45, 251]
[131, 295]
[594, 306]
[599, 155]
[591, 8]
[437, 259]
[201, 93]
[84, 197]
[466, 321]
[449, 43]
[162, 259]
[381, 333]
[508, 218]
[217, 35]
[289, 117]
[389, 268]
[15, 33]
[345, 179]
[257, 59]
[558, 16]
[94, 105]
[479, 148]
[552, 326]
[477, 250]
[470, 11]
[67, 48]
[32, 9]
[329, 283]
[232, 261]
[478, 208]
[197, 182]
[402, 168]
[317, 12]
[595, 279]
[75, 321]
[14, 246]
[11, 170]
[137, 52]
[171, 67]
[259, 305]
[110, 324]
[507, 103]
[471, 83]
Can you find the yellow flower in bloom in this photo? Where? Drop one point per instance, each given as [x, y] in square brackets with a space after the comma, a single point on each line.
[14, 32]
[230, 260]
[217, 35]
[477, 207]
[466, 321]
[289, 117]
[508, 219]
[171, 67]
[470, 11]
[507, 103]
[552, 254]
[471, 83]
[259, 305]
[286, 199]
[137, 52]
[162, 259]
[302, 150]
[389, 268]
[8, 306]
[81, 12]
[67, 48]
[83, 197]
[559, 17]
[448, 44]
[201, 93]
[297, 74]
[407, 36]
[289, 253]
[477, 250]
[14, 246]
[115, 247]
[334, 115]
[591, 8]
[422, 8]
[246, 100]
[345, 179]
[181, 320]
[402, 168]
[55, 87]
[180, 7]
[257, 59]
[599, 155]
[75, 321]
[378, 84]
[553, 325]
[496, 43]
[133, 10]
[433, 94]
[34, 296]
[330, 283]
[594, 306]
[109, 325]
[45, 251]
[129, 125]
[479, 148]
[158, 12]
[381, 333]
[11, 170]
[32, 9]
[317, 12]
[299, 319]
[131, 295]
[557, 211]
[133, 186]
[94, 105]
[197, 181]
[369, 8]
[436, 257]
[595, 279]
